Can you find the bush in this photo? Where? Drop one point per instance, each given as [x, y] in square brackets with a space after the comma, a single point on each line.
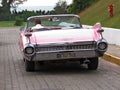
[18, 21]
[78, 5]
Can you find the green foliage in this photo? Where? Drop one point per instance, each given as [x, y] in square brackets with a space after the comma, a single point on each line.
[4, 17]
[79, 5]
[7, 23]
[18, 22]
[98, 12]
[20, 17]
[23, 14]
[6, 5]
[61, 7]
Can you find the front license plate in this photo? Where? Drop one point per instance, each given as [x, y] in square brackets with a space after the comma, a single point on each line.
[66, 55]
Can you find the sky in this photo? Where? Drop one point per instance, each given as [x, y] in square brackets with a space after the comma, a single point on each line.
[43, 2]
[40, 4]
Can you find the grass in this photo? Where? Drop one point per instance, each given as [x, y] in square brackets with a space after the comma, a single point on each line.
[7, 23]
[99, 13]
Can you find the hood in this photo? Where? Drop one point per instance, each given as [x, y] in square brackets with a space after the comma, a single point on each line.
[61, 36]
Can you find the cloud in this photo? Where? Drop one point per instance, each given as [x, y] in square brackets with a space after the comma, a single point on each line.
[43, 2]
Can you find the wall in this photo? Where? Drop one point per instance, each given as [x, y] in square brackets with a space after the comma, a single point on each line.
[110, 34]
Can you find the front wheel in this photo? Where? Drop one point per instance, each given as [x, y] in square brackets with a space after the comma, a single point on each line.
[29, 65]
[93, 65]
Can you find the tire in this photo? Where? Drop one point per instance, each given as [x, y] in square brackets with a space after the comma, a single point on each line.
[93, 65]
[29, 65]
[24, 59]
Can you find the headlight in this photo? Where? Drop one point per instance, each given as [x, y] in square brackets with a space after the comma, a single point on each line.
[102, 46]
[29, 50]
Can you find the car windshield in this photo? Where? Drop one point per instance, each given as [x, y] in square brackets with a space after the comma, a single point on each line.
[58, 22]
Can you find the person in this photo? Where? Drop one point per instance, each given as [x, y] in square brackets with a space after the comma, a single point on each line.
[110, 8]
[37, 25]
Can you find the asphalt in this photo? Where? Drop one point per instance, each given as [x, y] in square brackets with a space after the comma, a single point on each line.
[113, 54]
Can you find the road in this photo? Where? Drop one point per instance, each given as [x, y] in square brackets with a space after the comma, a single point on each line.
[67, 76]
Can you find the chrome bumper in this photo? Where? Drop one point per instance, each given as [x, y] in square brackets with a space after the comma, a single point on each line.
[64, 55]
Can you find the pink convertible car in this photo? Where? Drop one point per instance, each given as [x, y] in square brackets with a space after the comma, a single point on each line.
[61, 38]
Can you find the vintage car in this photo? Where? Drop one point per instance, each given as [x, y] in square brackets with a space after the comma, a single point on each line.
[61, 38]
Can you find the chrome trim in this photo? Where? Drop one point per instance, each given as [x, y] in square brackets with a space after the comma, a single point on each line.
[57, 15]
[55, 56]
[100, 41]
[29, 45]
[48, 51]
[65, 51]
[76, 46]
[67, 43]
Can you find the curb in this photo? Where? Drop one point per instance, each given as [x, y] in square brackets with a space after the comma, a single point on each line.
[111, 58]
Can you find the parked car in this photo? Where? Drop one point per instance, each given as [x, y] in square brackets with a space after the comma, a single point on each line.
[61, 38]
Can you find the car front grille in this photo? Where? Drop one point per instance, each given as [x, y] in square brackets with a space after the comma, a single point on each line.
[65, 47]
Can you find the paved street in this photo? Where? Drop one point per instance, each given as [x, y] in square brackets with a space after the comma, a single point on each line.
[70, 76]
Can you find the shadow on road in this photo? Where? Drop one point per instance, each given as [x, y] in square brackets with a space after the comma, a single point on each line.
[62, 69]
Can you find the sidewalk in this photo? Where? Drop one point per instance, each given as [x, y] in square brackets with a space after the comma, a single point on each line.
[113, 54]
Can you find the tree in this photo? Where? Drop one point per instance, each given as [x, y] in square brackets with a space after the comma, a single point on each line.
[79, 5]
[61, 7]
[6, 5]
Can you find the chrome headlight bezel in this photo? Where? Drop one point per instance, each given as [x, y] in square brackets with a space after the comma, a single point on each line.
[102, 45]
[29, 50]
